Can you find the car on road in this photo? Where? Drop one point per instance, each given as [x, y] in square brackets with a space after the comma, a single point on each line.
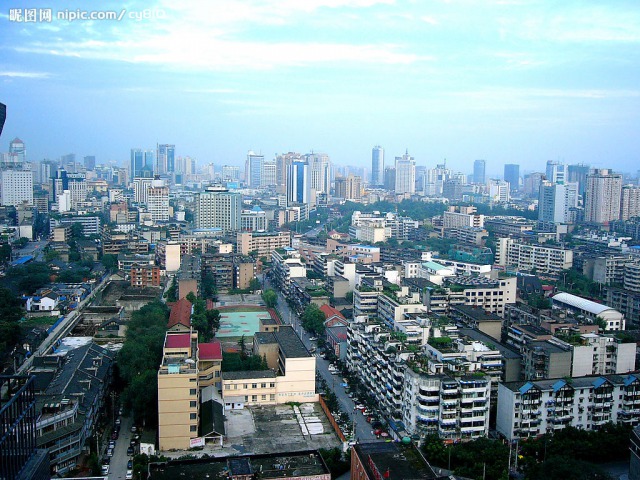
[110, 452]
[104, 470]
[129, 475]
[129, 451]
[118, 421]
[313, 339]
[130, 464]
[134, 429]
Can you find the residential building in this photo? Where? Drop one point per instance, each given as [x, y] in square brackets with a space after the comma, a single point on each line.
[578, 174]
[462, 216]
[405, 173]
[145, 275]
[595, 354]
[533, 408]
[630, 202]
[602, 196]
[254, 220]
[319, 166]
[532, 257]
[287, 264]
[76, 386]
[556, 172]
[262, 243]
[16, 187]
[253, 170]
[158, 201]
[217, 207]
[556, 201]
[499, 191]
[141, 188]
[377, 166]
[349, 188]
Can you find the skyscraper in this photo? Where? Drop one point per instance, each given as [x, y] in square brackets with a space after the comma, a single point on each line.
[253, 170]
[556, 172]
[158, 201]
[349, 188]
[90, 162]
[630, 202]
[268, 174]
[298, 185]
[16, 186]
[479, 167]
[230, 173]
[389, 178]
[602, 196]
[578, 174]
[512, 175]
[166, 159]
[217, 207]
[3, 116]
[319, 172]
[377, 166]
[405, 174]
[556, 200]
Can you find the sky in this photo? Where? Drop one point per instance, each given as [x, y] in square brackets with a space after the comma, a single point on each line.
[509, 81]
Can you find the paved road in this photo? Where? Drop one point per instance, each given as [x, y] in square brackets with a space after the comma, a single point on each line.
[363, 429]
[118, 468]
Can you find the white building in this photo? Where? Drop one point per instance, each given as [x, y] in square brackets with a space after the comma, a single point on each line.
[405, 174]
[158, 201]
[614, 320]
[499, 191]
[526, 257]
[602, 355]
[217, 207]
[556, 201]
[530, 409]
[602, 196]
[16, 187]
[630, 202]
[141, 189]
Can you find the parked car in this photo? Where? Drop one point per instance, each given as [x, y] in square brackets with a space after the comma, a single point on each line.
[130, 464]
[129, 475]
[105, 470]
[134, 429]
[129, 451]
[110, 452]
[313, 339]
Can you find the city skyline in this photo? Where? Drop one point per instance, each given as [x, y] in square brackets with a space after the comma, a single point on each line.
[512, 82]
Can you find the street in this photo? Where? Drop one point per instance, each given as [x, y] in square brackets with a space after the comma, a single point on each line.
[363, 431]
[118, 467]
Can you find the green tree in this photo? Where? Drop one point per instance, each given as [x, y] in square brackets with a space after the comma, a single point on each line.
[172, 292]
[213, 319]
[110, 262]
[270, 298]
[209, 289]
[21, 242]
[5, 252]
[336, 461]
[77, 230]
[10, 314]
[313, 319]
[254, 285]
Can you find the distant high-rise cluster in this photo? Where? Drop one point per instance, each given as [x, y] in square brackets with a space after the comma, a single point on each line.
[377, 166]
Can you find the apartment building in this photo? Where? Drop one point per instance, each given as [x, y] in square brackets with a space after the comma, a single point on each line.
[290, 378]
[365, 297]
[460, 216]
[472, 235]
[145, 275]
[532, 257]
[263, 243]
[287, 264]
[406, 391]
[532, 408]
[393, 306]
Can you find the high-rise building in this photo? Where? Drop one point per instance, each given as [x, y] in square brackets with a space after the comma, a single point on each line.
[531, 184]
[217, 207]
[319, 172]
[578, 174]
[298, 184]
[253, 170]
[479, 171]
[283, 162]
[17, 151]
[141, 186]
[90, 162]
[377, 166]
[405, 174]
[142, 163]
[349, 188]
[630, 202]
[230, 173]
[499, 191]
[166, 159]
[556, 172]
[512, 175]
[556, 201]
[602, 196]
[158, 201]
[268, 174]
[16, 186]
[389, 178]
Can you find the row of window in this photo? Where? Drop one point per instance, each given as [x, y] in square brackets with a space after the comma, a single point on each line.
[246, 386]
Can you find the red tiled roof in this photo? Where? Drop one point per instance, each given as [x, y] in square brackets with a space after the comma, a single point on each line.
[180, 313]
[181, 340]
[210, 351]
[329, 311]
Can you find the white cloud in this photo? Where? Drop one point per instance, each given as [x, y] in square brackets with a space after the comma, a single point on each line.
[14, 74]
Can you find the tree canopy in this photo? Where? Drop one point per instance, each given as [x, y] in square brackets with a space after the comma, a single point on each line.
[313, 319]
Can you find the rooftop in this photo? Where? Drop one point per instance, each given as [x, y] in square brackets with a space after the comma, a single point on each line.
[182, 340]
[290, 344]
[248, 374]
[393, 461]
[210, 351]
[477, 314]
[180, 313]
[581, 303]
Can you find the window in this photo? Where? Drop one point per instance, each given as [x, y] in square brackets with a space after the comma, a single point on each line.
[227, 387]
[272, 385]
[264, 397]
[254, 398]
[263, 385]
[217, 373]
[193, 379]
[246, 385]
[193, 428]
[254, 385]
[193, 404]
[192, 416]
[235, 386]
[193, 391]
[272, 396]
[246, 398]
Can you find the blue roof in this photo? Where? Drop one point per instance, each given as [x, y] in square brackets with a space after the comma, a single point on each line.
[599, 382]
[558, 385]
[526, 387]
[22, 260]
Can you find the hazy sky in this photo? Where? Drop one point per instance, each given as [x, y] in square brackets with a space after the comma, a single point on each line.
[509, 81]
